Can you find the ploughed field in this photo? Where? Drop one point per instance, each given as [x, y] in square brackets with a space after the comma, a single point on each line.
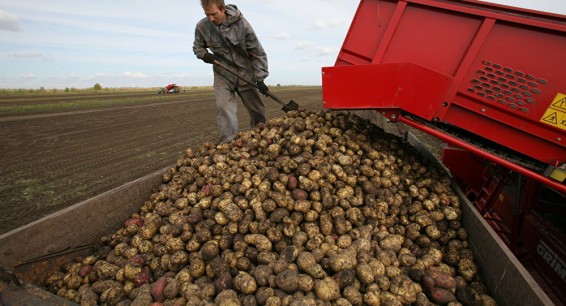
[60, 149]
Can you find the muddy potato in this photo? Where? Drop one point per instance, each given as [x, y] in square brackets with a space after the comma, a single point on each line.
[405, 289]
[305, 283]
[261, 242]
[306, 262]
[327, 289]
[343, 261]
[86, 296]
[209, 250]
[364, 273]
[353, 295]
[432, 232]
[105, 270]
[245, 283]
[112, 295]
[392, 242]
[287, 280]
[467, 269]
[261, 274]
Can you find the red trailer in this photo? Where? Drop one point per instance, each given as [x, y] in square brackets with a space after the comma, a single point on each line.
[487, 79]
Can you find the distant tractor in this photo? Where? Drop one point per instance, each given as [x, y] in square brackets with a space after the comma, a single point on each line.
[171, 88]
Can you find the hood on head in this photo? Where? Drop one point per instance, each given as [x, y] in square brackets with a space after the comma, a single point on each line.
[233, 14]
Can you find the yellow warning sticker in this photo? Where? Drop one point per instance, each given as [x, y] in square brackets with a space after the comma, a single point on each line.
[559, 102]
[555, 115]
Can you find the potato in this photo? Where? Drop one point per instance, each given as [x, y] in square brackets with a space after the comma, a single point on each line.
[172, 288]
[287, 280]
[307, 263]
[441, 279]
[353, 295]
[245, 283]
[261, 242]
[209, 250]
[389, 299]
[405, 289]
[327, 289]
[392, 242]
[372, 298]
[263, 294]
[305, 283]
[467, 269]
[157, 288]
[345, 278]
[105, 270]
[441, 296]
[365, 274]
[343, 261]
[86, 296]
[227, 297]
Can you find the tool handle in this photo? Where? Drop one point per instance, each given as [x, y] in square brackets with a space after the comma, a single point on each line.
[225, 67]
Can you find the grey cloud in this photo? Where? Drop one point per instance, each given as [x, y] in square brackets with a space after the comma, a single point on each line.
[26, 55]
[282, 36]
[9, 22]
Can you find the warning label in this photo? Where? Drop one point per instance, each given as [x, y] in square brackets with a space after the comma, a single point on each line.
[555, 115]
[560, 104]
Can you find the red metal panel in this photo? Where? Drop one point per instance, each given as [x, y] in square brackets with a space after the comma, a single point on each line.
[506, 67]
[371, 20]
[432, 38]
[402, 85]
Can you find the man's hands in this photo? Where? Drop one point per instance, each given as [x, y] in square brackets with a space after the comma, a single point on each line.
[208, 58]
[262, 87]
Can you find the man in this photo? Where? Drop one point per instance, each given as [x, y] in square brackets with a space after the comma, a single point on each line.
[231, 40]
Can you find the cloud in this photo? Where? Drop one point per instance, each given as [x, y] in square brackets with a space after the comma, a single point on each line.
[323, 24]
[26, 55]
[9, 22]
[134, 75]
[94, 76]
[304, 45]
[28, 76]
[319, 50]
[322, 51]
[282, 36]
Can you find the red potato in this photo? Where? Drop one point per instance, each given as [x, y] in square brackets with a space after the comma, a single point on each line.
[442, 280]
[85, 270]
[157, 288]
[136, 221]
[441, 296]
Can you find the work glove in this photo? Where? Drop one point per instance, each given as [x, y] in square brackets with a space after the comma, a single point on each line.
[262, 87]
[208, 58]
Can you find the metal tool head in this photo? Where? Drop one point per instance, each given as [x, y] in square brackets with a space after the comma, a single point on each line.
[291, 106]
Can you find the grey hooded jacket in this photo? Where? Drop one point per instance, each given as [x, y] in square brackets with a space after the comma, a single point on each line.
[236, 43]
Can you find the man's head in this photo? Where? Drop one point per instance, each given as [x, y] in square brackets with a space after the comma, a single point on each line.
[215, 10]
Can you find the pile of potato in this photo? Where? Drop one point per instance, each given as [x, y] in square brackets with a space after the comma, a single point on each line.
[314, 208]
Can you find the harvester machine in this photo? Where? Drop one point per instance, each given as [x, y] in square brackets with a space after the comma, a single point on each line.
[171, 88]
[489, 81]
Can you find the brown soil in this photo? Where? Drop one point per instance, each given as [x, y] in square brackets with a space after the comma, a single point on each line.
[50, 161]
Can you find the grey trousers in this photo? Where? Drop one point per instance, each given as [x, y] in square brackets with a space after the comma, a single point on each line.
[227, 106]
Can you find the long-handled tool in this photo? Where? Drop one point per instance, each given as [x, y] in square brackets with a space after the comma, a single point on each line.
[287, 107]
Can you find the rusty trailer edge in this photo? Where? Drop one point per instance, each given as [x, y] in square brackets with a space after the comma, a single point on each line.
[78, 226]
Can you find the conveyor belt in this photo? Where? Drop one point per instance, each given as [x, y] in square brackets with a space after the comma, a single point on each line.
[485, 144]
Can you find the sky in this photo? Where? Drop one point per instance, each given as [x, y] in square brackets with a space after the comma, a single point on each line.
[145, 43]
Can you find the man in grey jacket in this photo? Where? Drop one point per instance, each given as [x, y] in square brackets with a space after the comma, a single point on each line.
[225, 35]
